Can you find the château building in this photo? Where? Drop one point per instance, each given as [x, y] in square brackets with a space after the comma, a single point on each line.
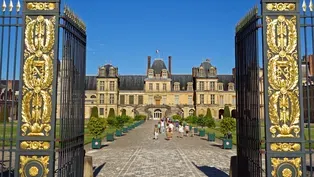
[160, 92]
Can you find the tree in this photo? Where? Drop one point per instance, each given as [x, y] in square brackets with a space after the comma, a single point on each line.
[227, 112]
[177, 117]
[209, 113]
[94, 112]
[111, 113]
[227, 125]
[96, 126]
[201, 121]
[139, 117]
[121, 121]
[123, 112]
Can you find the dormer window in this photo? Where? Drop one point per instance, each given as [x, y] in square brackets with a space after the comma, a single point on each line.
[176, 86]
[231, 87]
[111, 72]
[212, 71]
[102, 72]
[202, 73]
[220, 87]
[150, 73]
[190, 86]
[164, 73]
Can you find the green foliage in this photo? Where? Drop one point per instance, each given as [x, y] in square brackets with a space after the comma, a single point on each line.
[139, 117]
[2, 117]
[227, 124]
[121, 120]
[227, 112]
[177, 117]
[209, 113]
[210, 122]
[112, 121]
[111, 113]
[94, 112]
[192, 119]
[123, 112]
[201, 121]
[96, 126]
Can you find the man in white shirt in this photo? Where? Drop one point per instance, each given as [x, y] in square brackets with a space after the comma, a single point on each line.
[162, 125]
[171, 126]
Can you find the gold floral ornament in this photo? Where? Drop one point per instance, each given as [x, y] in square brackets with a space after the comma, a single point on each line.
[34, 162]
[35, 145]
[283, 73]
[38, 76]
[41, 6]
[285, 147]
[280, 6]
[294, 163]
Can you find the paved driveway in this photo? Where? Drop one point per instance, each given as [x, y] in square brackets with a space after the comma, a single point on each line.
[137, 154]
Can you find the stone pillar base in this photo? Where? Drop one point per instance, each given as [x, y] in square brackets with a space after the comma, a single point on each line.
[88, 166]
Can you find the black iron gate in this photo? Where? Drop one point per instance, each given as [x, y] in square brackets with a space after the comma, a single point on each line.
[286, 83]
[247, 89]
[41, 89]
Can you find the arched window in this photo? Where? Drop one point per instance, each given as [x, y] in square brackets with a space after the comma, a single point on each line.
[157, 114]
[93, 96]
[191, 112]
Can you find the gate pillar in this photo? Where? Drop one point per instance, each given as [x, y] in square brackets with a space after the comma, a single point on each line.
[284, 132]
[37, 92]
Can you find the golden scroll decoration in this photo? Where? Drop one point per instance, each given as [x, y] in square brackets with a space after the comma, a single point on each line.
[41, 6]
[38, 76]
[285, 147]
[35, 145]
[285, 166]
[30, 166]
[283, 77]
[280, 6]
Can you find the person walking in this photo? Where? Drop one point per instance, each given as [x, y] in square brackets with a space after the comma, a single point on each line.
[162, 124]
[181, 130]
[156, 132]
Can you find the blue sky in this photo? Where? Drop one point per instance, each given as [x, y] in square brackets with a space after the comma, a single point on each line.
[125, 32]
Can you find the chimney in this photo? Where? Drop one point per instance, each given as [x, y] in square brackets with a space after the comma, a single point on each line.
[149, 58]
[169, 65]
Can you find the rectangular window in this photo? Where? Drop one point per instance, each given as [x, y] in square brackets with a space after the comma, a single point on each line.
[177, 87]
[112, 86]
[201, 98]
[164, 87]
[176, 99]
[102, 86]
[190, 100]
[111, 99]
[212, 86]
[102, 99]
[164, 99]
[150, 99]
[212, 99]
[150, 86]
[220, 87]
[131, 99]
[190, 88]
[157, 86]
[201, 85]
[122, 99]
[140, 99]
[221, 100]
[233, 100]
[101, 111]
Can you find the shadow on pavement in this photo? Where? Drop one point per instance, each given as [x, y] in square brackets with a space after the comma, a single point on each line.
[211, 171]
[97, 169]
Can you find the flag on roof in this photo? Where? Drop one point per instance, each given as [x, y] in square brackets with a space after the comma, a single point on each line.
[157, 51]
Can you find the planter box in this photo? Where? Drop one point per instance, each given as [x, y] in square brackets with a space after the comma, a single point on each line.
[125, 130]
[202, 133]
[190, 127]
[195, 130]
[110, 137]
[211, 136]
[227, 144]
[96, 143]
[118, 133]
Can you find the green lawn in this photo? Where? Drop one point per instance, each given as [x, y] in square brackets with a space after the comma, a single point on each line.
[12, 129]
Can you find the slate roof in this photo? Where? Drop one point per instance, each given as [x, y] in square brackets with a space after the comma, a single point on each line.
[225, 79]
[183, 79]
[158, 66]
[131, 82]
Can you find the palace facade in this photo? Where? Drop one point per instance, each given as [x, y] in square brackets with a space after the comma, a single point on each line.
[160, 92]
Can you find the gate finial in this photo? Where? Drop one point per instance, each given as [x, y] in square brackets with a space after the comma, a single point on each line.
[311, 5]
[10, 6]
[304, 6]
[18, 6]
[4, 6]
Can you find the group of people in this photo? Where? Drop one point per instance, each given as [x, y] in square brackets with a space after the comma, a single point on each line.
[167, 126]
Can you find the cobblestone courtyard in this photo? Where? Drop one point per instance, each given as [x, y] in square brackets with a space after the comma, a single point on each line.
[137, 154]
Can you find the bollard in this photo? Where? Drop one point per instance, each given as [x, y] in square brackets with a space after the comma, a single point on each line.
[88, 166]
